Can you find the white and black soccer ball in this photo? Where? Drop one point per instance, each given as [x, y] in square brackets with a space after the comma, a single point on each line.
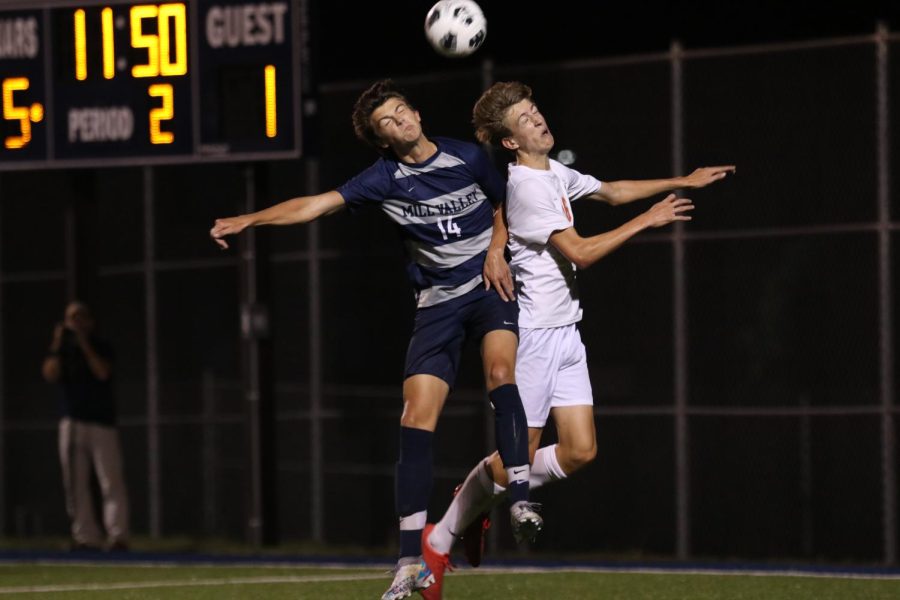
[455, 27]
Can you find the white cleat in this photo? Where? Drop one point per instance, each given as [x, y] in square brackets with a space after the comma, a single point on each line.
[409, 578]
[526, 523]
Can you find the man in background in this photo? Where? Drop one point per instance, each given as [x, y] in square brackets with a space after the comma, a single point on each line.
[81, 363]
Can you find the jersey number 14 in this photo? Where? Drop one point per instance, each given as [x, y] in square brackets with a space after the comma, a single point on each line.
[449, 228]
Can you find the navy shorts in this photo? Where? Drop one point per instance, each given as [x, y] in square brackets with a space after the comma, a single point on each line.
[441, 330]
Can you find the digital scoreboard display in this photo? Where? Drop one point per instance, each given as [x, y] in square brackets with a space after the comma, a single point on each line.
[106, 83]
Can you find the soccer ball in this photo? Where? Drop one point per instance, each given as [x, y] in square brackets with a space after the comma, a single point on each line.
[455, 27]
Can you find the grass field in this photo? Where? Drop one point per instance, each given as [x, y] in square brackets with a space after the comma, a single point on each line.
[141, 582]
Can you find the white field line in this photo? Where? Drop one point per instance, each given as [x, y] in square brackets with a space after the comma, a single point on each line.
[484, 571]
[177, 564]
[711, 571]
[96, 587]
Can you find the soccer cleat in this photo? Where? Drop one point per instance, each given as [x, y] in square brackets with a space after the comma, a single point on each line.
[437, 563]
[410, 578]
[473, 536]
[526, 523]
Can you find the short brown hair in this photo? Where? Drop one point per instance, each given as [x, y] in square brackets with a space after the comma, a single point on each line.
[487, 116]
[377, 94]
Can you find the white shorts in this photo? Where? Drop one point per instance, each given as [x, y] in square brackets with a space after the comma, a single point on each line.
[551, 370]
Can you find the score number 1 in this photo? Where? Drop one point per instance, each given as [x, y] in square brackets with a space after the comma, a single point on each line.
[25, 115]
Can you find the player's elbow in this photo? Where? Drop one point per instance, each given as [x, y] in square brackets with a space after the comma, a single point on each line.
[580, 257]
[614, 199]
[582, 263]
[612, 194]
[573, 247]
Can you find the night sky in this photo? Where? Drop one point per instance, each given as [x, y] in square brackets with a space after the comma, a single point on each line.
[391, 31]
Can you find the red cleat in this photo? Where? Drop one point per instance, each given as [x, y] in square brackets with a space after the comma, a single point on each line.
[473, 536]
[438, 563]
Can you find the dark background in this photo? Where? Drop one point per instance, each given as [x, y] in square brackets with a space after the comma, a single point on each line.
[528, 32]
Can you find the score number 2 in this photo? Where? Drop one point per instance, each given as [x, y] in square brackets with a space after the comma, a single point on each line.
[163, 113]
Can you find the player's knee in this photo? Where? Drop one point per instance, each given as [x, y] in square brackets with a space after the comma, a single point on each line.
[500, 373]
[417, 421]
[419, 415]
[495, 468]
[582, 456]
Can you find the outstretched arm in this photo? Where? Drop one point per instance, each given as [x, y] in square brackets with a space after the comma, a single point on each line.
[586, 251]
[296, 210]
[622, 192]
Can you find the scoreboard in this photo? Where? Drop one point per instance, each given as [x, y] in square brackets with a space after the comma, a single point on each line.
[116, 83]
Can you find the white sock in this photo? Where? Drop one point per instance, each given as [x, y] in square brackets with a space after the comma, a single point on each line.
[472, 499]
[414, 521]
[546, 467]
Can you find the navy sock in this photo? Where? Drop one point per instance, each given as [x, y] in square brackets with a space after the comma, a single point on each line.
[511, 429]
[410, 542]
[413, 481]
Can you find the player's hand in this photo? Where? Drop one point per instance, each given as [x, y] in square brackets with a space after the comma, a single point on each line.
[223, 227]
[668, 210]
[496, 273]
[704, 176]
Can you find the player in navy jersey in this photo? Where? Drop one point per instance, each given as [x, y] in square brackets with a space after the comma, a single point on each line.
[444, 197]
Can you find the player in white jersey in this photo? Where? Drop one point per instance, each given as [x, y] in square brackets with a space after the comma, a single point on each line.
[547, 251]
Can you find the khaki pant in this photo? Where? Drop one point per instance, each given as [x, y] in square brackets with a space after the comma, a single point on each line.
[82, 446]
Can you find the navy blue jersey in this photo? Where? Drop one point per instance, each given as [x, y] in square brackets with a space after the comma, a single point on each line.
[443, 209]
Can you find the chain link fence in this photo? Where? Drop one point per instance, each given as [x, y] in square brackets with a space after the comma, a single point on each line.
[743, 365]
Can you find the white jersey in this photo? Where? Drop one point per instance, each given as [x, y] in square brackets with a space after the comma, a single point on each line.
[538, 203]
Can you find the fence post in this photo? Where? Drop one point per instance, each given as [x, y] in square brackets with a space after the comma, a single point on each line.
[2, 392]
[885, 301]
[210, 466]
[154, 500]
[316, 437]
[679, 309]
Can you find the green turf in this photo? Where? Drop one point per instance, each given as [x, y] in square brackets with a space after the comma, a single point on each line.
[219, 583]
